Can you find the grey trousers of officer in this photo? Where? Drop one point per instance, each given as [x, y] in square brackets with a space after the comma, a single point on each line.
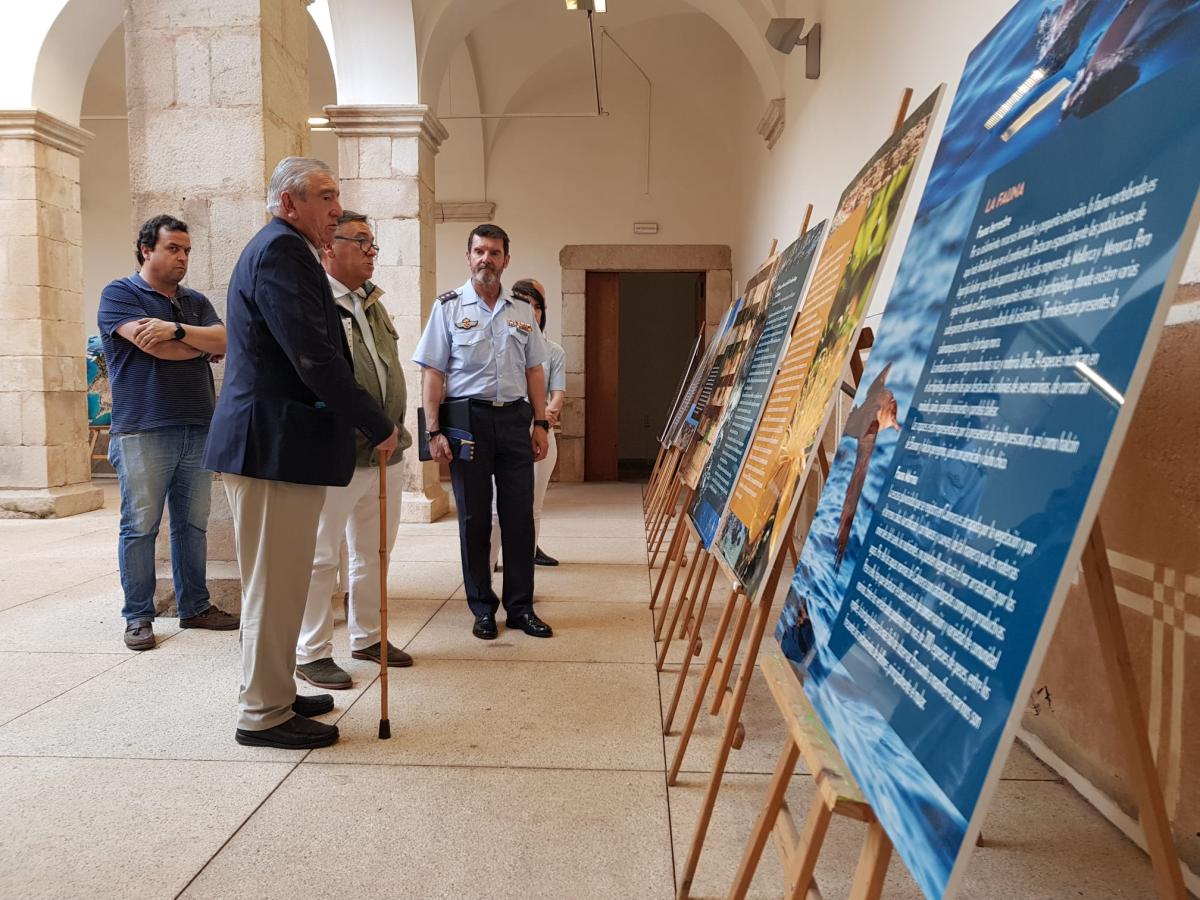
[275, 530]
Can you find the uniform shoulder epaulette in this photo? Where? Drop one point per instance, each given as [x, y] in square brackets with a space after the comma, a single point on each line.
[447, 297]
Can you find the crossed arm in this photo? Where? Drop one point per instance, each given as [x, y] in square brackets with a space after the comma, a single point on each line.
[157, 337]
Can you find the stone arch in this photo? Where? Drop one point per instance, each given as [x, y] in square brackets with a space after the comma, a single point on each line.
[67, 53]
[448, 22]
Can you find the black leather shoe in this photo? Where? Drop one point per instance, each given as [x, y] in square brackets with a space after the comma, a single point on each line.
[297, 733]
[485, 627]
[310, 705]
[531, 625]
[541, 559]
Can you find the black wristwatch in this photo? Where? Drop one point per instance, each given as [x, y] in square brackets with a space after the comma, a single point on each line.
[543, 424]
[430, 435]
[180, 334]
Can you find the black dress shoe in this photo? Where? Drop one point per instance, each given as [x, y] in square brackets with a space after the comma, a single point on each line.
[541, 559]
[297, 733]
[531, 625]
[485, 627]
[310, 705]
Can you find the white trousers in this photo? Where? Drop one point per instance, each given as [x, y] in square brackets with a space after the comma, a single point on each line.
[352, 513]
[542, 470]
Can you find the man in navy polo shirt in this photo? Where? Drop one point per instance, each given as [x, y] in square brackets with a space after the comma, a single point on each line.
[159, 340]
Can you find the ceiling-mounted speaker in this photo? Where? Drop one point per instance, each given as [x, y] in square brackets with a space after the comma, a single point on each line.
[785, 34]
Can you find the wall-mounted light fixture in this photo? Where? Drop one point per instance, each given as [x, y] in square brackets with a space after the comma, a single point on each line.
[589, 5]
[784, 34]
[318, 123]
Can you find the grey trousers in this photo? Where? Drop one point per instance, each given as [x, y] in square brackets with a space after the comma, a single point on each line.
[275, 530]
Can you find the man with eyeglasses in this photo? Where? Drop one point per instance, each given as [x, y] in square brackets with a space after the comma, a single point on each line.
[159, 340]
[352, 512]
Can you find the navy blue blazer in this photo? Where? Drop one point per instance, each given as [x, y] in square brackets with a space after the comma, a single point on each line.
[290, 404]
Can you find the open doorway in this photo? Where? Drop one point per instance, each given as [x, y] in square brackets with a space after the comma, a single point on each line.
[640, 330]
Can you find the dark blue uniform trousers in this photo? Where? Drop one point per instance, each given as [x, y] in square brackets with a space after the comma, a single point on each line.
[502, 449]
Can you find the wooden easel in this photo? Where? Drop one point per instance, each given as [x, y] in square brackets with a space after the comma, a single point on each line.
[837, 793]
[728, 702]
[723, 695]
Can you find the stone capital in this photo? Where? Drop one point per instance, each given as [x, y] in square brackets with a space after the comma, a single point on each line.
[33, 124]
[388, 121]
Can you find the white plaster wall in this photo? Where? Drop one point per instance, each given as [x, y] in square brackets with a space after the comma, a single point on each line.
[872, 51]
[582, 181]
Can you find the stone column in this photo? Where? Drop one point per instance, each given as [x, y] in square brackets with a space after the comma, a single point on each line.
[385, 164]
[45, 465]
[217, 95]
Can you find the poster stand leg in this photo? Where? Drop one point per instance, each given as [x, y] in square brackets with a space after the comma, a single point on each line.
[705, 679]
[666, 479]
[707, 565]
[676, 509]
[654, 473]
[1131, 722]
[835, 793]
[687, 585]
[675, 555]
[733, 724]
[693, 649]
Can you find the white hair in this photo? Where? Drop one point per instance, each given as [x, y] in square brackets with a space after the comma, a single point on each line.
[292, 175]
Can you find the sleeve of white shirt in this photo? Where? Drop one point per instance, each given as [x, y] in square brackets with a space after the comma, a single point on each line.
[433, 349]
[558, 369]
[536, 351]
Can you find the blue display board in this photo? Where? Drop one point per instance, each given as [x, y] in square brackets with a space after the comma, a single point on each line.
[687, 416]
[1030, 295]
[753, 384]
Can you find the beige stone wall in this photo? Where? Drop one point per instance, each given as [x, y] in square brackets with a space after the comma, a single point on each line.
[386, 169]
[217, 95]
[44, 467]
[1151, 522]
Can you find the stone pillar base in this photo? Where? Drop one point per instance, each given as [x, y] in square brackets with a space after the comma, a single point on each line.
[224, 587]
[50, 503]
[424, 506]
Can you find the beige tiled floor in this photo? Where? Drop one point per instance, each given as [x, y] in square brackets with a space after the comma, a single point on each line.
[517, 768]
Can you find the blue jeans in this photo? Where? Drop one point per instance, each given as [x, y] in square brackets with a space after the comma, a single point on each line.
[154, 467]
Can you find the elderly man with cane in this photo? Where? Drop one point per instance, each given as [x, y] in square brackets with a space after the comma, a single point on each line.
[351, 512]
[283, 430]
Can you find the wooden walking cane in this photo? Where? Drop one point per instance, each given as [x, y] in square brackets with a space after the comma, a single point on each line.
[385, 727]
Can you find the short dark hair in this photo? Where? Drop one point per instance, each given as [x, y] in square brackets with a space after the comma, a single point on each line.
[349, 215]
[148, 233]
[526, 290]
[487, 230]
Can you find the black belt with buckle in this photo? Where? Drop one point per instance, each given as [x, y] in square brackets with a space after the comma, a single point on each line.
[475, 401]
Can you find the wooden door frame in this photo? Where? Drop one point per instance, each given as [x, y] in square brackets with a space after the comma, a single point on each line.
[577, 260]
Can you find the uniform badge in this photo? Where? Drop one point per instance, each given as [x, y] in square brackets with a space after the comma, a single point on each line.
[466, 324]
[521, 326]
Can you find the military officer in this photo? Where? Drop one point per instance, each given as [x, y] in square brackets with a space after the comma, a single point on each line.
[482, 346]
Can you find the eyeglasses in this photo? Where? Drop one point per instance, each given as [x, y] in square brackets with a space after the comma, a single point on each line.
[366, 245]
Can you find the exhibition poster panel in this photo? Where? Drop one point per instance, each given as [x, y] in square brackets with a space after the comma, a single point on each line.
[730, 369]
[724, 462]
[822, 338]
[1018, 332]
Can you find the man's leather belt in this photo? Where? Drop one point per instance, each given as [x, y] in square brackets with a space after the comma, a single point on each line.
[475, 401]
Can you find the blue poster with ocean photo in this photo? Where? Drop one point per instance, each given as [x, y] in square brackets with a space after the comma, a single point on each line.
[1030, 294]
